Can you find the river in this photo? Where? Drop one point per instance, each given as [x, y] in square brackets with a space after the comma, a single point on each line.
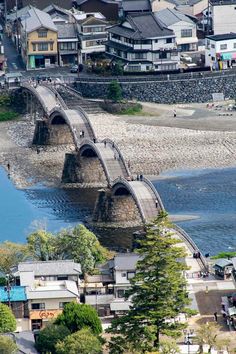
[209, 195]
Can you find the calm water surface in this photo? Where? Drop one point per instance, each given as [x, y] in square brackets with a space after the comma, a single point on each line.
[208, 194]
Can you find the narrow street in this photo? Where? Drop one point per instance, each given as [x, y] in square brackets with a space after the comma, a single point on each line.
[14, 61]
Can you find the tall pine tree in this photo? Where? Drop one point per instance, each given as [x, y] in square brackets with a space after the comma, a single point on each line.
[158, 293]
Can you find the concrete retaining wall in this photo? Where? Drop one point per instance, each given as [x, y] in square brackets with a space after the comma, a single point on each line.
[174, 91]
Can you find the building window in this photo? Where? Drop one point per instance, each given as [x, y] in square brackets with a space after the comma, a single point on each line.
[62, 305]
[123, 274]
[130, 275]
[91, 43]
[140, 56]
[223, 46]
[186, 33]
[42, 33]
[212, 46]
[168, 40]
[115, 36]
[68, 46]
[62, 277]
[42, 47]
[93, 29]
[120, 293]
[38, 306]
[51, 46]
[34, 47]
[156, 41]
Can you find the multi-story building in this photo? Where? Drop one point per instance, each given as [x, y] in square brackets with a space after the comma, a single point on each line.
[109, 8]
[38, 40]
[223, 16]
[184, 28]
[220, 52]
[92, 35]
[143, 44]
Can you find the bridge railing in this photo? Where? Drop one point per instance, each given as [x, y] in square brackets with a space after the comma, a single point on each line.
[71, 89]
[192, 244]
[151, 186]
[54, 91]
[86, 120]
[130, 189]
[113, 144]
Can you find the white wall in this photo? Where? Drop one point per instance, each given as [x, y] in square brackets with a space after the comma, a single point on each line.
[182, 25]
[211, 52]
[224, 19]
[118, 274]
[158, 5]
[51, 304]
[27, 278]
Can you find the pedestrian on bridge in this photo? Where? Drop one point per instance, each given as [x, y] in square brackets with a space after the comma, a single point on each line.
[105, 143]
[82, 133]
[156, 203]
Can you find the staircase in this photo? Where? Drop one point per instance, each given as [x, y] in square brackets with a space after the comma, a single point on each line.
[73, 100]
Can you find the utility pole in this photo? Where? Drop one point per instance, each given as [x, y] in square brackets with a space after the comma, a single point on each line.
[17, 27]
[7, 288]
[5, 11]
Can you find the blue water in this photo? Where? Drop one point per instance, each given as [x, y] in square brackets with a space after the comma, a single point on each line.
[211, 196]
[22, 210]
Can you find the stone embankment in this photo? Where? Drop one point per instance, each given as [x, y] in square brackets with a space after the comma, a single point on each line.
[178, 90]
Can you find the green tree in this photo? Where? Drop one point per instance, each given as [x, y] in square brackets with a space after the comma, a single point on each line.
[7, 319]
[114, 91]
[208, 334]
[168, 346]
[10, 255]
[77, 316]
[82, 342]
[158, 291]
[117, 69]
[40, 244]
[49, 336]
[7, 345]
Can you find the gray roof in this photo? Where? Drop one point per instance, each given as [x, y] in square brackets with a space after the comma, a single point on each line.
[125, 261]
[136, 5]
[36, 19]
[234, 262]
[54, 8]
[63, 267]
[171, 16]
[20, 12]
[144, 25]
[223, 262]
[66, 30]
[222, 37]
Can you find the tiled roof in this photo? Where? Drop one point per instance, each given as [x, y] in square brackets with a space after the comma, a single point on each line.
[222, 37]
[64, 267]
[126, 261]
[36, 19]
[66, 30]
[17, 293]
[136, 5]
[170, 16]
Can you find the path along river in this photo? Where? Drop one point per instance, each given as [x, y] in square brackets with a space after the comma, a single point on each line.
[208, 194]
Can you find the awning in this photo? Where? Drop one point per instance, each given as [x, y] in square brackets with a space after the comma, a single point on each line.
[226, 56]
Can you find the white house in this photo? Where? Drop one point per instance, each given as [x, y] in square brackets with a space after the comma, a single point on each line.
[223, 16]
[220, 52]
[143, 44]
[184, 28]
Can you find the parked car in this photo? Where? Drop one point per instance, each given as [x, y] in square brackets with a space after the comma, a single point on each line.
[186, 58]
[74, 69]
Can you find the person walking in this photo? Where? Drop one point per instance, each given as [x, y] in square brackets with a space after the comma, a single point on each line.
[8, 167]
[105, 143]
[174, 113]
[82, 133]
[141, 177]
[156, 203]
[216, 316]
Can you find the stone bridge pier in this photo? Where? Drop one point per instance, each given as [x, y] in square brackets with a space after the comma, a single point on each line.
[54, 131]
[116, 207]
[32, 106]
[83, 169]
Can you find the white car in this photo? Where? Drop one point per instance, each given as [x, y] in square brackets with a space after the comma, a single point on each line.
[186, 58]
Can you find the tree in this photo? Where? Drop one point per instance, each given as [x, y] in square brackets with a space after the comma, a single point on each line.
[49, 336]
[7, 345]
[7, 319]
[82, 342]
[168, 346]
[77, 316]
[114, 91]
[40, 244]
[158, 291]
[208, 334]
[10, 255]
[117, 69]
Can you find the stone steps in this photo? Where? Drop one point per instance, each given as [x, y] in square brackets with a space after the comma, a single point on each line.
[73, 101]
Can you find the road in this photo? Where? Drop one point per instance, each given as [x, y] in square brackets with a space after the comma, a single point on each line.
[14, 61]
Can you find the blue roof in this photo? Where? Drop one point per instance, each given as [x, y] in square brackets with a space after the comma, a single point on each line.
[17, 293]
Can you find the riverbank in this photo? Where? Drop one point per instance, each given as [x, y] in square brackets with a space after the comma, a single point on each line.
[150, 147]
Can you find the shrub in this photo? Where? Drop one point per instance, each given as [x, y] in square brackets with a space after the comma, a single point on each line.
[7, 345]
[114, 91]
[7, 319]
[49, 336]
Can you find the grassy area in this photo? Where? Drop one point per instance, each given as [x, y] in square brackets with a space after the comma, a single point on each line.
[6, 115]
[224, 255]
[133, 110]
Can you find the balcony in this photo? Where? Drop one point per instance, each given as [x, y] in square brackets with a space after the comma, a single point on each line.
[100, 299]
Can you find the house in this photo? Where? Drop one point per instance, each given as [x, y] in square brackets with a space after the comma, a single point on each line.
[143, 44]
[67, 43]
[92, 35]
[27, 273]
[15, 297]
[223, 267]
[123, 268]
[220, 52]
[46, 300]
[184, 28]
[191, 7]
[223, 16]
[38, 40]
[57, 12]
[109, 8]
[134, 6]
[40, 4]
[158, 5]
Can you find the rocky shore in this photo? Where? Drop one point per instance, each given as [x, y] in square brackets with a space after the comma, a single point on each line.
[151, 149]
